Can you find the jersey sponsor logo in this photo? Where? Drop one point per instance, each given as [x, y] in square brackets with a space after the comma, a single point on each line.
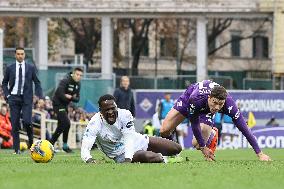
[70, 89]
[237, 115]
[130, 124]
[118, 145]
[209, 116]
[204, 89]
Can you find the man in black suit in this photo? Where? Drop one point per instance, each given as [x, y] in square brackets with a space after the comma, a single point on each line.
[17, 85]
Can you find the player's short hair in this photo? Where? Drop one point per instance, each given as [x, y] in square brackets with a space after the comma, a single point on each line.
[19, 48]
[78, 69]
[219, 92]
[104, 98]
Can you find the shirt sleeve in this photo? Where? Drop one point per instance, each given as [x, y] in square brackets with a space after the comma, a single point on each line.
[89, 139]
[232, 110]
[61, 90]
[193, 108]
[195, 126]
[129, 133]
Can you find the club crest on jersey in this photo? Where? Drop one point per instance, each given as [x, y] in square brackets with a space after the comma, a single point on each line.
[204, 91]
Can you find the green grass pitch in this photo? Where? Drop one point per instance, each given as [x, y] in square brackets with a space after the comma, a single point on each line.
[232, 169]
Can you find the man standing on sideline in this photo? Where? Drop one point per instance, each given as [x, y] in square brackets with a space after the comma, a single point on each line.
[124, 96]
[67, 91]
[17, 85]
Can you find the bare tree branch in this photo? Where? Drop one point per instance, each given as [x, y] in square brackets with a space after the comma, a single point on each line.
[74, 30]
[239, 39]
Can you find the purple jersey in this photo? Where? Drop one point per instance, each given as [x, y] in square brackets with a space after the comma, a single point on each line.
[193, 104]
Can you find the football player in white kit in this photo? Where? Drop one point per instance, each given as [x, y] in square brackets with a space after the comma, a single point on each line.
[113, 131]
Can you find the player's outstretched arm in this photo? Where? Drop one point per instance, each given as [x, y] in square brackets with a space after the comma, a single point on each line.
[88, 141]
[234, 112]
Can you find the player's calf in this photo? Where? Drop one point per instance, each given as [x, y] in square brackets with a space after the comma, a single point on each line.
[164, 146]
[147, 157]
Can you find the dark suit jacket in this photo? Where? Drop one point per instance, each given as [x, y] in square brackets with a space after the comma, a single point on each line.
[30, 77]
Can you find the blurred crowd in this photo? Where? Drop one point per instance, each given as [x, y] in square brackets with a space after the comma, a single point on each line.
[75, 113]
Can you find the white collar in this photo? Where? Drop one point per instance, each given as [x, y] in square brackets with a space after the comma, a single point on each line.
[21, 62]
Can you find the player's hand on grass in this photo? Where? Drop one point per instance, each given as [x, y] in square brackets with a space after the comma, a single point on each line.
[208, 154]
[91, 160]
[263, 157]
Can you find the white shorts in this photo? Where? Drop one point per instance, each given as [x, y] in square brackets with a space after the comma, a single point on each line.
[141, 143]
[182, 127]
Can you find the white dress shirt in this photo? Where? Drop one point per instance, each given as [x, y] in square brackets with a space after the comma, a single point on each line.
[15, 88]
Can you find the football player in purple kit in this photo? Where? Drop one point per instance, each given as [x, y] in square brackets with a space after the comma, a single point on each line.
[199, 103]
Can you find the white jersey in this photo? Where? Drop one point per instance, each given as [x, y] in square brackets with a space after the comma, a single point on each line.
[113, 140]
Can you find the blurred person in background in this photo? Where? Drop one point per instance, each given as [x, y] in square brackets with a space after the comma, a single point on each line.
[40, 106]
[228, 127]
[6, 139]
[156, 124]
[67, 91]
[182, 132]
[124, 96]
[164, 106]
[2, 97]
[48, 103]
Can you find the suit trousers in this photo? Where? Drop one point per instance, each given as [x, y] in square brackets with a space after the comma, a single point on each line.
[18, 110]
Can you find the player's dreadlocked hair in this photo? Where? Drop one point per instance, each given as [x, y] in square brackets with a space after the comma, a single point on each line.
[105, 97]
[219, 92]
